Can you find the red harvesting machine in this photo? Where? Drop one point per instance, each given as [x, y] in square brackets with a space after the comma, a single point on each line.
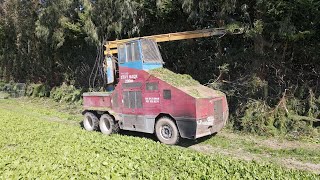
[149, 98]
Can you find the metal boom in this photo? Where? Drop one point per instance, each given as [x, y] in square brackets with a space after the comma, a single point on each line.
[111, 46]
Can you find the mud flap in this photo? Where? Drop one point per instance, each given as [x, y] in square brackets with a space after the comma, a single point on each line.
[187, 128]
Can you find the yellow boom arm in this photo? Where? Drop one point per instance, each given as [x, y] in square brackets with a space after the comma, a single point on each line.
[111, 46]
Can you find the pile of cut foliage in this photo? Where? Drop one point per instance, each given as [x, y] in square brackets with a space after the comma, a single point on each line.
[174, 79]
[184, 82]
[255, 109]
[259, 118]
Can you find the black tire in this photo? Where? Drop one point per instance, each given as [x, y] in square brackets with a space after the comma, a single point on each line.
[167, 131]
[108, 125]
[90, 122]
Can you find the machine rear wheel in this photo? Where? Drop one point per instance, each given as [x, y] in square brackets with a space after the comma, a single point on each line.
[107, 125]
[90, 122]
[167, 131]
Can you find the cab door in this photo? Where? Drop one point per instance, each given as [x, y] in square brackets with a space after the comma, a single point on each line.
[132, 111]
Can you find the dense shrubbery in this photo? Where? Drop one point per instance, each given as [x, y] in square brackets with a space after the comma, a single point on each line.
[256, 109]
[12, 89]
[66, 93]
[38, 90]
[2, 85]
[259, 118]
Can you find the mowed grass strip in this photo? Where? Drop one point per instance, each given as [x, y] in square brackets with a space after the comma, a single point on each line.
[33, 148]
[44, 108]
[302, 153]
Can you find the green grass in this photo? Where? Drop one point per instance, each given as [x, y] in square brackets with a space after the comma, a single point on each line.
[43, 108]
[303, 153]
[226, 143]
[4, 95]
[32, 148]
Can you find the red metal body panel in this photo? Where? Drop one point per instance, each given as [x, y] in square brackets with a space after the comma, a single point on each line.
[196, 112]
[97, 100]
[180, 105]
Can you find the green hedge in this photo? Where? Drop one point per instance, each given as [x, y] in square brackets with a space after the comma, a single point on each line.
[63, 93]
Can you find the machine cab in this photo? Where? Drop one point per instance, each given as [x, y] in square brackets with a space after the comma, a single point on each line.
[142, 54]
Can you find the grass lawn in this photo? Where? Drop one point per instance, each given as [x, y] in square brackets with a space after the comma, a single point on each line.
[40, 139]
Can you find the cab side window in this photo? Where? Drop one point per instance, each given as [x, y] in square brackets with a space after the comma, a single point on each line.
[133, 53]
[122, 54]
[167, 94]
[129, 52]
[152, 86]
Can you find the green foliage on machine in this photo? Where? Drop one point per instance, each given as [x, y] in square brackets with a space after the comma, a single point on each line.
[185, 83]
[174, 79]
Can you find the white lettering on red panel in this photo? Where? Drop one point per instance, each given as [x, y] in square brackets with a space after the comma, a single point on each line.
[152, 100]
[128, 78]
[124, 76]
[133, 76]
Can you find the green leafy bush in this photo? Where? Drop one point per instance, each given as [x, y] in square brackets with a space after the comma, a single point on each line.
[2, 84]
[66, 93]
[38, 90]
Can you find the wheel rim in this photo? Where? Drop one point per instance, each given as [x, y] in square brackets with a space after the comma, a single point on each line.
[90, 122]
[166, 131]
[106, 123]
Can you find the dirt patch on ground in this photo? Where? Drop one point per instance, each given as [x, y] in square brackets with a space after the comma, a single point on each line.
[292, 163]
[276, 144]
[247, 156]
[238, 153]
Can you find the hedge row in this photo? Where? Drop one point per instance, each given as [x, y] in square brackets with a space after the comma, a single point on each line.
[63, 93]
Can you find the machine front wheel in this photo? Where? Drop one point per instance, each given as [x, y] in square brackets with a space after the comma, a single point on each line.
[90, 122]
[167, 131]
[108, 125]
